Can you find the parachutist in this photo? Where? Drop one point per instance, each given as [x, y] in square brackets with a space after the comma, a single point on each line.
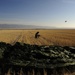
[65, 21]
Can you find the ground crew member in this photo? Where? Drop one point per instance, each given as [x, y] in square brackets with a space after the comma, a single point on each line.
[37, 35]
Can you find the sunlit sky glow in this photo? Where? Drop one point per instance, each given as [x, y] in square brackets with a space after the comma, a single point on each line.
[38, 12]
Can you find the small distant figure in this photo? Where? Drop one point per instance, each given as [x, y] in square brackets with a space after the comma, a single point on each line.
[37, 35]
[65, 21]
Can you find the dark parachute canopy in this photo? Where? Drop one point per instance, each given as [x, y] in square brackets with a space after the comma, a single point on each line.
[66, 21]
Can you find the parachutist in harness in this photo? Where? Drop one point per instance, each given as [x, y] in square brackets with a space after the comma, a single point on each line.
[65, 21]
[37, 35]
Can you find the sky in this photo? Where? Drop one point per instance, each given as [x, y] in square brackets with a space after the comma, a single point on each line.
[51, 13]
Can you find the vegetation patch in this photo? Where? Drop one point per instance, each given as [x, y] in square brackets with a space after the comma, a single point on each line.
[21, 55]
[37, 56]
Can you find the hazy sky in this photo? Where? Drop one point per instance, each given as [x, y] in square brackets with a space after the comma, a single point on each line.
[38, 12]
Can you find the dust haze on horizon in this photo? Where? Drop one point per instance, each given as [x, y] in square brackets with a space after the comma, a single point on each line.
[16, 26]
[41, 13]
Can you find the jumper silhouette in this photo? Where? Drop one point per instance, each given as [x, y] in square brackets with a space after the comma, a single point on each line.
[37, 35]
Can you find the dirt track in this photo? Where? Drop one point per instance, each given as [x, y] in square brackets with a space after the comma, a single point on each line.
[47, 37]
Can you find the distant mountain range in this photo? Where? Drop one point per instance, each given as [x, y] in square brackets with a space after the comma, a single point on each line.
[15, 26]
